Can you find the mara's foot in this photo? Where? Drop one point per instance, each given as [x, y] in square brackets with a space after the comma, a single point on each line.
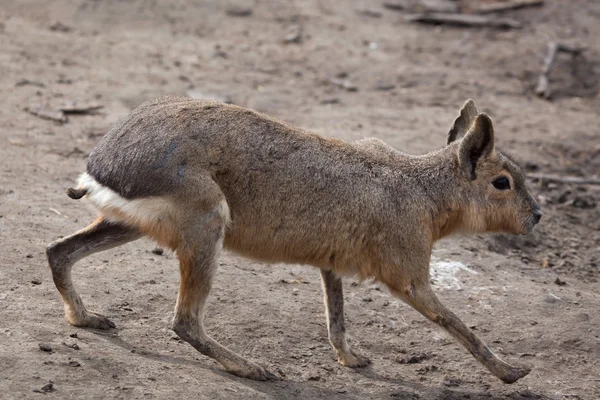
[515, 374]
[352, 360]
[252, 371]
[91, 320]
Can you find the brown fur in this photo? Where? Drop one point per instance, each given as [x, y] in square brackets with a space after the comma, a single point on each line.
[360, 208]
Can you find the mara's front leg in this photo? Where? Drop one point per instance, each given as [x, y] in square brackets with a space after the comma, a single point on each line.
[334, 310]
[422, 298]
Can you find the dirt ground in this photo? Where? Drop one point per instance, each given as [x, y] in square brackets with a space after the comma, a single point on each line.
[405, 83]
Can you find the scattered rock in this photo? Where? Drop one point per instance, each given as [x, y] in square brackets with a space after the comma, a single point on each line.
[397, 5]
[36, 282]
[294, 35]
[344, 84]
[327, 368]
[563, 197]
[60, 27]
[268, 69]
[29, 256]
[531, 166]
[63, 80]
[452, 382]
[584, 202]
[158, 251]
[312, 376]
[25, 82]
[73, 335]
[300, 279]
[45, 347]
[560, 282]
[220, 53]
[369, 12]
[426, 369]
[528, 394]
[384, 86]
[583, 317]
[524, 355]
[47, 388]
[412, 359]
[74, 363]
[73, 346]
[238, 11]
[332, 100]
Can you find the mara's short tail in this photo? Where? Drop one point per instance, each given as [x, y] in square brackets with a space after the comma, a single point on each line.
[76, 194]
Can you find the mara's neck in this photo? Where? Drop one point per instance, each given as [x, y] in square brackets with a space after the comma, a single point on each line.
[436, 180]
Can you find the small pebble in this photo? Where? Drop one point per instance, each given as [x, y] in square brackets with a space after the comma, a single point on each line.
[560, 282]
[238, 11]
[45, 347]
[452, 382]
[47, 388]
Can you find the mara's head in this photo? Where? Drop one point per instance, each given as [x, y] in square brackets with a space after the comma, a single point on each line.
[493, 195]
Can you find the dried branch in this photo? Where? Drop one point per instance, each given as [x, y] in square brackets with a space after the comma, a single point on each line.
[469, 20]
[542, 89]
[565, 179]
[506, 6]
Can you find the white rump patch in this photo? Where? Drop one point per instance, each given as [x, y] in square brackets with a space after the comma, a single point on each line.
[444, 273]
[144, 211]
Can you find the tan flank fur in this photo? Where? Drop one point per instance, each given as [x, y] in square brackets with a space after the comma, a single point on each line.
[199, 176]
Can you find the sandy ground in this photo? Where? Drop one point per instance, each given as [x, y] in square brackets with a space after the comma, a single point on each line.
[410, 81]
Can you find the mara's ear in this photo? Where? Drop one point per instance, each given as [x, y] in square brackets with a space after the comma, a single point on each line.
[476, 145]
[463, 122]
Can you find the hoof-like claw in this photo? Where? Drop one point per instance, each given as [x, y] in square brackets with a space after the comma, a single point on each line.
[515, 374]
[255, 372]
[352, 360]
[92, 320]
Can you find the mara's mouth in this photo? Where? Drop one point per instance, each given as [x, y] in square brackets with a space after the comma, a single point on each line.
[529, 225]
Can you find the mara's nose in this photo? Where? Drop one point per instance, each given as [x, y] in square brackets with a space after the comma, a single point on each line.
[537, 214]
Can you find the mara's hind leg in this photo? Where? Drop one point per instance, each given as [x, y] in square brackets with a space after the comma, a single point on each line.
[62, 254]
[334, 311]
[198, 252]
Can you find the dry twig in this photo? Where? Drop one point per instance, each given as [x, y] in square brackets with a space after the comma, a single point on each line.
[506, 6]
[565, 179]
[542, 88]
[469, 20]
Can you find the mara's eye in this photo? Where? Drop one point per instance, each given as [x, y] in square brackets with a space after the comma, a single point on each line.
[501, 183]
